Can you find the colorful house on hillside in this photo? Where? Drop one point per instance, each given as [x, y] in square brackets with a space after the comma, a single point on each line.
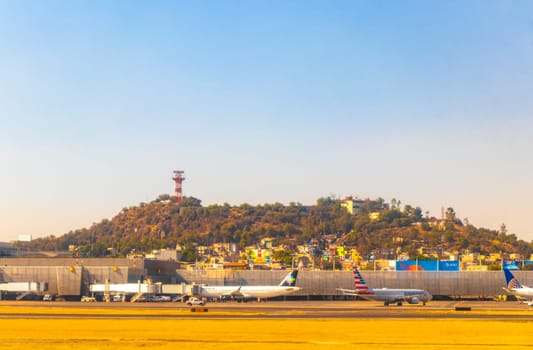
[352, 205]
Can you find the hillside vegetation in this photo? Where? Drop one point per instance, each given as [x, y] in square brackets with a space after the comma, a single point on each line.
[164, 223]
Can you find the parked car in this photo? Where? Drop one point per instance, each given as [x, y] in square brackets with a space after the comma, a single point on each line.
[48, 297]
[195, 301]
[159, 298]
[153, 298]
[87, 299]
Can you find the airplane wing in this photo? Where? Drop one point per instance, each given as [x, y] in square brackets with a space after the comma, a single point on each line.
[348, 291]
[236, 293]
[510, 291]
[415, 298]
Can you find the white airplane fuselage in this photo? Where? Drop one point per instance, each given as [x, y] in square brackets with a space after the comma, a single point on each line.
[246, 291]
[524, 292]
[399, 295]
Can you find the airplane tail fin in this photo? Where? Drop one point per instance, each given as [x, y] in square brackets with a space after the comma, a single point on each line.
[512, 282]
[290, 279]
[360, 284]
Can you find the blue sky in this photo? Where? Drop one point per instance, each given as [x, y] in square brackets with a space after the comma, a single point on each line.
[264, 101]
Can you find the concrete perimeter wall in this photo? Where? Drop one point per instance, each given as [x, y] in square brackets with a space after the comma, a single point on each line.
[325, 283]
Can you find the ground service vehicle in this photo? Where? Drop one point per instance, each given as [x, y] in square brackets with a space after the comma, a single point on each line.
[195, 301]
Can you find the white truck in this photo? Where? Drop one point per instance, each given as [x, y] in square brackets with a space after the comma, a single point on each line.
[195, 301]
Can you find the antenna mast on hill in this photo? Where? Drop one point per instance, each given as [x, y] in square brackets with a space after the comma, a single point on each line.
[178, 179]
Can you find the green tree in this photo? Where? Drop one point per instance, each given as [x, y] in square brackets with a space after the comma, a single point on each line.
[284, 256]
[450, 214]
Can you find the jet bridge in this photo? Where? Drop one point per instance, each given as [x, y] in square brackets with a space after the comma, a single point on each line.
[22, 289]
[138, 289]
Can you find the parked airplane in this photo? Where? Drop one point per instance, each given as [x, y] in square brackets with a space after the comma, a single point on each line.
[287, 286]
[388, 296]
[515, 287]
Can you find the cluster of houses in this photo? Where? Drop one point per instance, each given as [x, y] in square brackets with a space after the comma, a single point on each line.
[328, 254]
[334, 256]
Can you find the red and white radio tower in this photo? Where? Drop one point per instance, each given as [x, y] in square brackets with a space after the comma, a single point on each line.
[178, 179]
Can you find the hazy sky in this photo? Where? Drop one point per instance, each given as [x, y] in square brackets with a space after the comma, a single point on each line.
[428, 102]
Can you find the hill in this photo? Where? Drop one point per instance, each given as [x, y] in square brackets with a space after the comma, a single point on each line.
[376, 228]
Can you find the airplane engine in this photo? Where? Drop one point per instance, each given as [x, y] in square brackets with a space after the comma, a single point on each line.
[414, 301]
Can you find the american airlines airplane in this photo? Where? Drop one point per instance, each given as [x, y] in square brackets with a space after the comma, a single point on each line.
[515, 287]
[388, 296]
[287, 286]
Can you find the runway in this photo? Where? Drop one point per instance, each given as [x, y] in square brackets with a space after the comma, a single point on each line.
[269, 310]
